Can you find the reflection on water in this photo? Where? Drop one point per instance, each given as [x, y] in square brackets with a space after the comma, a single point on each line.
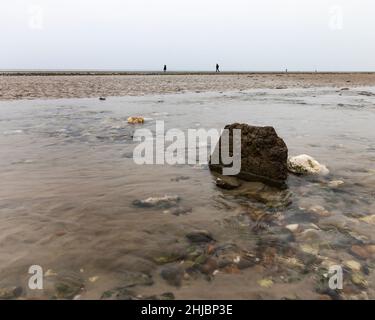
[69, 188]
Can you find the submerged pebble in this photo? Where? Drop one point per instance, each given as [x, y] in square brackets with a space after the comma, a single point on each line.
[173, 274]
[353, 265]
[164, 202]
[199, 236]
[227, 183]
[10, 293]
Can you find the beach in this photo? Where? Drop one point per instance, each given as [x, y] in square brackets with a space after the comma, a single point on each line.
[34, 85]
[71, 195]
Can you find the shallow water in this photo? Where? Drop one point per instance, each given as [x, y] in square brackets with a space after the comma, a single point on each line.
[68, 182]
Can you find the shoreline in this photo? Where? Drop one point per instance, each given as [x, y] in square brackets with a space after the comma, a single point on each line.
[178, 73]
[75, 85]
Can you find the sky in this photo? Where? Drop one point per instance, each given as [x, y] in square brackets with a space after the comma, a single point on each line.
[240, 35]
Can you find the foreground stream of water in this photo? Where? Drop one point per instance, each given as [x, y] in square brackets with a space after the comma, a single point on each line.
[68, 183]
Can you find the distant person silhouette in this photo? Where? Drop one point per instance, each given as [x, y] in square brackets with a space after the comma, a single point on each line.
[217, 67]
[165, 68]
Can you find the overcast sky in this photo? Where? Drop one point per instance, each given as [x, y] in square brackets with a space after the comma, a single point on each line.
[188, 34]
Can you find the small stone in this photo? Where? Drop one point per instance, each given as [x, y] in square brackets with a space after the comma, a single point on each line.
[173, 274]
[360, 252]
[199, 236]
[136, 120]
[245, 263]
[319, 210]
[164, 202]
[119, 294]
[210, 266]
[265, 283]
[171, 255]
[132, 278]
[314, 250]
[369, 219]
[353, 265]
[371, 248]
[227, 183]
[291, 262]
[304, 164]
[93, 279]
[232, 269]
[293, 227]
[359, 280]
[10, 293]
[68, 289]
[166, 296]
[335, 183]
[177, 179]
[102, 99]
[178, 211]
[50, 273]
[310, 235]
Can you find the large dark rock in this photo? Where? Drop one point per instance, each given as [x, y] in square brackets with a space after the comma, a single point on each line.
[264, 155]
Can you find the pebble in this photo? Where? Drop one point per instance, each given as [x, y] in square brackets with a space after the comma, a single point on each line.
[94, 279]
[209, 266]
[335, 183]
[199, 236]
[314, 250]
[310, 235]
[227, 183]
[369, 219]
[265, 283]
[50, 273]
[360, 252]
[136, 120]
[293, 227]
[319, 210]
[178, 211]
[359, 280]
[10, 293]
[353, 265]
[173, 274]
[304, 164]
[164, 202]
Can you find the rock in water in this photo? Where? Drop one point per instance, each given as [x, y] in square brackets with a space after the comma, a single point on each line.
[227, 183]
[304, 164]
[263, 155]
[199, 236]
[168, 201]
[136, 120]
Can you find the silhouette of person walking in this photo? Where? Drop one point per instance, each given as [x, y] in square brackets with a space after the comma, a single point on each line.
[217, 67]
[165, 68]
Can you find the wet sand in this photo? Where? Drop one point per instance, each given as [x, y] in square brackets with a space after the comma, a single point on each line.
[68, 185]
[78, 85]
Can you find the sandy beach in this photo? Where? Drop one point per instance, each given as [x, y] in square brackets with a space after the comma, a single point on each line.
[82, 85]
[69, 190]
